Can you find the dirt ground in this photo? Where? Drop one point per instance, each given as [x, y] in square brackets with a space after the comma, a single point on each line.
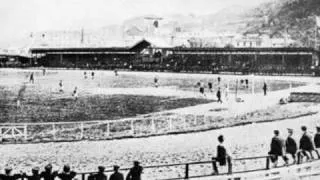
[243, 141]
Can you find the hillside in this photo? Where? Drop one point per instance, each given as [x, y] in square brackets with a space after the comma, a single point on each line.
[297, 17]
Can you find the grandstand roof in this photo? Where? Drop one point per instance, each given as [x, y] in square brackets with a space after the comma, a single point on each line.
[150, 42]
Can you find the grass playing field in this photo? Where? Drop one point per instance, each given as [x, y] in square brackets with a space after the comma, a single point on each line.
[106, 96]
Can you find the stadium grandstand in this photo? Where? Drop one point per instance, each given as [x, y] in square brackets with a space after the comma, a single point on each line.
[157, 55]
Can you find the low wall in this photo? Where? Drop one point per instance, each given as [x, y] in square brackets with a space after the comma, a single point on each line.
[304, 97]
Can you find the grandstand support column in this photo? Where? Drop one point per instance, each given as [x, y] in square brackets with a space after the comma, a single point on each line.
[61, 59]
[255, 61]
[230, 59]
[283, 60]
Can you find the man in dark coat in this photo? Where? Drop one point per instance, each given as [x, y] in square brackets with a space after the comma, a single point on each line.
[277, 148]
[47, 174]
[8, 176]
[265, 88]
[291, 145]
[219, 95]
[135, 172]
[306, 144]
[116, 175]
[317, 138]
[67, 174]
[222, 156]
[100, 175]
[35, 174]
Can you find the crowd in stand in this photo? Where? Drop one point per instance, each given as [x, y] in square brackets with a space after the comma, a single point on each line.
[66, 174]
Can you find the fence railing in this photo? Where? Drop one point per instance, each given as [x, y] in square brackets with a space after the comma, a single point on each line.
[262, 170]
[149, 125]
[231, 169]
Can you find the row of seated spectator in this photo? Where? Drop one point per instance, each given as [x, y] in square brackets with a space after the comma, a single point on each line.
[307, 145]
[279, 147]
[66, 174]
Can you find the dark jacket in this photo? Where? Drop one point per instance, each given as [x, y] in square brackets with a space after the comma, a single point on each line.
[317, 140]
[10, 177]
[67, 176]
[291, 145]
[135, 173]
[218, 94]
[221, 155]
[100, 176]
[116, 176]
[306, 143]
[33, 177]
[277, 146]
[48, 175]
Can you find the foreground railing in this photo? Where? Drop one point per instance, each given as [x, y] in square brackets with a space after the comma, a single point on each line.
[260, 170]
[230, 169]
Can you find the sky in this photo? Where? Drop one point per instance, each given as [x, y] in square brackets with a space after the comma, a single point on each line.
[19, 18]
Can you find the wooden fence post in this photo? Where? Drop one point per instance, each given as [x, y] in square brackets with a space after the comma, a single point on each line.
[81, 131]
[268, 163]
[54, 131]
[186, 173]
[108, 129]
[153, 126]
[170, 124]
[1, 135]
[25, 129]
[132, 127]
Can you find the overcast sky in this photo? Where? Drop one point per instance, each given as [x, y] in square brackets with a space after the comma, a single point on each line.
[18, 18]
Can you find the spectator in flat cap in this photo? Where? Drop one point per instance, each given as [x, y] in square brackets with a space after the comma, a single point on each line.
[47, 174]
[100, 175]
[35, 174]
[135, 172]
[66, 173]
[116, 174]
[222, 156]
[317, 138]
[9, 176]
[277, 148]
[291, 145]
[306, 143]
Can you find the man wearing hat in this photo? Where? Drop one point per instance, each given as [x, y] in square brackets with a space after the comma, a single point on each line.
[135, 172]
[277, 148]
[116, 175]
[223, 157]
[8, 176]
[317, 138]
[67, 174]
[35, 174]
[100, 175]
[291, 145]
[47, 174]
[306, 144]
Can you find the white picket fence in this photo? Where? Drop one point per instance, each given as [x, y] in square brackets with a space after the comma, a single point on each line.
[66, 131]
[148, 125]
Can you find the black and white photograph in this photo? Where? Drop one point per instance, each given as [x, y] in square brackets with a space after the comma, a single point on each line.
[159, 90]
